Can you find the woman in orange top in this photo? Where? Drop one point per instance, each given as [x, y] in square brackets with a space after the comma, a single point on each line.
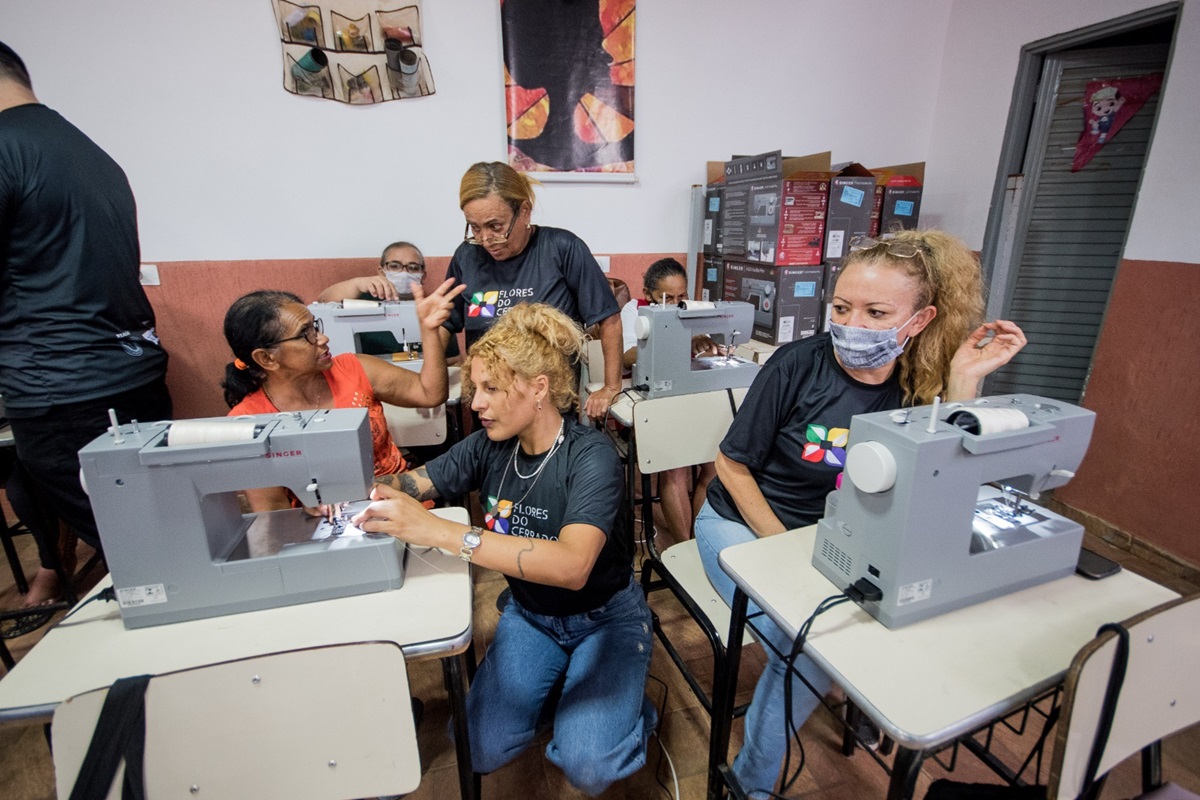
[282, 363]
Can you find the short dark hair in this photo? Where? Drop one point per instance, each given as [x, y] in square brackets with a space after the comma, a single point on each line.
[659, 270]
[12, 67]
[409, 245]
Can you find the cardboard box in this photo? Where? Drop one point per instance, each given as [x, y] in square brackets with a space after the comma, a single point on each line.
[714, 194]
[774, 207]
[787, 300]
[898, 196]
[712, 278]
[851, 202]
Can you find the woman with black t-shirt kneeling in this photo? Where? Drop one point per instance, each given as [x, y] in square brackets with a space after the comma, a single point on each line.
[551, 489]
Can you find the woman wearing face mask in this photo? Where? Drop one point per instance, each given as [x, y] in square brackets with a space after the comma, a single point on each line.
[401, 268]
[904, 329]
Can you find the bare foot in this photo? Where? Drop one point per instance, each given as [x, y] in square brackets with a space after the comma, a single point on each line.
[43, 589]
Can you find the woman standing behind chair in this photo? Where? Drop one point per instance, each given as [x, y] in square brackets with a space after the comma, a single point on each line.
[282, 363]
[903, 331]
[505, 259]
[551, 489]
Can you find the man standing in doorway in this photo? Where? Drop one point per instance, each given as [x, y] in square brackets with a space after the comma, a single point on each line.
[76, 330]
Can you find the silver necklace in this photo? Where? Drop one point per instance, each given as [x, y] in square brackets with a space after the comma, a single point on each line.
[537, 473]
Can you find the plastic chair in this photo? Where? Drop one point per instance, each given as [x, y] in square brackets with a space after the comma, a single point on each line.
[327, 722]
[672, 432]
[1129, 688]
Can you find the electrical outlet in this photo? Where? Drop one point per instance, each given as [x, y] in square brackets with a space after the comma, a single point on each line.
[149, 275]
[603, 262]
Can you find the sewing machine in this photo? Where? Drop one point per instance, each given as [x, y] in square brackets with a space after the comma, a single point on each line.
[165, 497]
[760, 294]
[665, 366]
[935, 507]
[345, 322]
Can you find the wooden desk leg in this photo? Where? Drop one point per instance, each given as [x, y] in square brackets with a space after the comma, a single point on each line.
[724, 694]
[468, 781]
[905, 770]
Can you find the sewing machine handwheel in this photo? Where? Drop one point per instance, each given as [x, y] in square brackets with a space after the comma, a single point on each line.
[871, 467]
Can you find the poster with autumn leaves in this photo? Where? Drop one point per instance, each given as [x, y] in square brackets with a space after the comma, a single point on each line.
[569, 81]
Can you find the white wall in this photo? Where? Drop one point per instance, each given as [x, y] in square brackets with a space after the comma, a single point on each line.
[975, 91]
[226, 165]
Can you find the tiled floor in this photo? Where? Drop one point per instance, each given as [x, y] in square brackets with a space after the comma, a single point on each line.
[26, 771]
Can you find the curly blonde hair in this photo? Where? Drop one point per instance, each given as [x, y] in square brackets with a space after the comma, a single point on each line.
[948, 277]
[529, 340]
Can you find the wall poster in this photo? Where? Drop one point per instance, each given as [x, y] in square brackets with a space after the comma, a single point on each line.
[353, 51]
[569, 85]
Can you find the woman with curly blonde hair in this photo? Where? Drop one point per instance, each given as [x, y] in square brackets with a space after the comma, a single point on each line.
[551, 491]
[905, 328]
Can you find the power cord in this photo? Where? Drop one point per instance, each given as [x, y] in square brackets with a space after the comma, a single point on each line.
[107, 595]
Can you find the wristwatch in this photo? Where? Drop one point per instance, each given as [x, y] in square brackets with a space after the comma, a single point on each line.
[471, 539]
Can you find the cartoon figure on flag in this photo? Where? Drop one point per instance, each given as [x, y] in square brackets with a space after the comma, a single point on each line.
[1107, 105]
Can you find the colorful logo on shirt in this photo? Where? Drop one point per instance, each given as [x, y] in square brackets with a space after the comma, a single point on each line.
[497, 518]
[483, 304]
[826, 444]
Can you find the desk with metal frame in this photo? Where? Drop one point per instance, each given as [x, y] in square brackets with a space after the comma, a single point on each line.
[925, 684]
[429, 616]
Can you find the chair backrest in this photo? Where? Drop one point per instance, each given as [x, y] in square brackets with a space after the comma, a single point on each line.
[327, 722]
[416, 427]
[683, 430]
[1158, 696]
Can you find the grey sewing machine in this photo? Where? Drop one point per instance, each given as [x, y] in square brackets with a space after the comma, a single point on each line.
[665, 364]
[175, 538]
[344, 325]
[935, 512]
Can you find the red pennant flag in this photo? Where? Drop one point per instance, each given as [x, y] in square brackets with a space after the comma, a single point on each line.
[1107, 106]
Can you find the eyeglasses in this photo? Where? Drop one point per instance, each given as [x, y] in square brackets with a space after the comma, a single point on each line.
[308, 333]
[897, 249]
[495, 239]
[412, 267]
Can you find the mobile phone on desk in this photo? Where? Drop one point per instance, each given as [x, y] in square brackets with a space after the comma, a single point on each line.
[1095, 566]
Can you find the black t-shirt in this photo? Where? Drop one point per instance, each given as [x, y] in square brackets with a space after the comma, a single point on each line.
[75, 324]
[556, 268]
[792, 429]
[581, 483]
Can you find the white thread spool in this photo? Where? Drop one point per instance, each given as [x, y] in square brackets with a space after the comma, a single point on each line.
[208, 432]
[985, 421]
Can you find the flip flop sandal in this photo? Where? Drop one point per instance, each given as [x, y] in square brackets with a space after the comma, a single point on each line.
[25, 623]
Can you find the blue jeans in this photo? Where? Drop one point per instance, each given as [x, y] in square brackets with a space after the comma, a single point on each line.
[600, 659]
[765, 741]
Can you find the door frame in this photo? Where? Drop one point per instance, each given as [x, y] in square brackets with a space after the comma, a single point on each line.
[1007, 195]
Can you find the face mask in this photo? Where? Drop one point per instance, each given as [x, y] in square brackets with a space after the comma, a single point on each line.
[866, 348]
[403, 281]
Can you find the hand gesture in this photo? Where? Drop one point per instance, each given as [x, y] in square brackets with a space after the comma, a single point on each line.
[434, 309]
[703, 345]
[989, 347]
[598, 402]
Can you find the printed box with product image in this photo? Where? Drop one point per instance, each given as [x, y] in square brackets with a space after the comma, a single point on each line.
[787, 300]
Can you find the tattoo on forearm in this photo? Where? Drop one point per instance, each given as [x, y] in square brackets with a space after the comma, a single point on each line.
[520, 569]
[407, 482]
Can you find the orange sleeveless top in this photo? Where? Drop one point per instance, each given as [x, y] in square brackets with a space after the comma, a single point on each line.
[348, 382]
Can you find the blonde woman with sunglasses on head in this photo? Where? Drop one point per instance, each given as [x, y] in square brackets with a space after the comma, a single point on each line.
[905, 328]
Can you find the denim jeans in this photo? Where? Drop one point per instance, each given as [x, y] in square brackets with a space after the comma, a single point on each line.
[599, 658]
[765, 741]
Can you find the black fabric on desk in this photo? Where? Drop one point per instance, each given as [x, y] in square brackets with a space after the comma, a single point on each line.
[120, 733]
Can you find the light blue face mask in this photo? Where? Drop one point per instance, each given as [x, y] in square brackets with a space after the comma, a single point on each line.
[403, 281]
[867, 348]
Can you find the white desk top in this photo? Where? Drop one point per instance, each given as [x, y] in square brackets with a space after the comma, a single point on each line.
[931, 681]
[429, 615]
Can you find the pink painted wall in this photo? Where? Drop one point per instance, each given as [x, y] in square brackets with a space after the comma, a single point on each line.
[190, 306]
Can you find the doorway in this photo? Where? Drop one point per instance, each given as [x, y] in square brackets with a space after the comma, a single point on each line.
[1055, 237]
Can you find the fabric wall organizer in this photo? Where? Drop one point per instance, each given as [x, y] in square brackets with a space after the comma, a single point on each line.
[353, 51]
